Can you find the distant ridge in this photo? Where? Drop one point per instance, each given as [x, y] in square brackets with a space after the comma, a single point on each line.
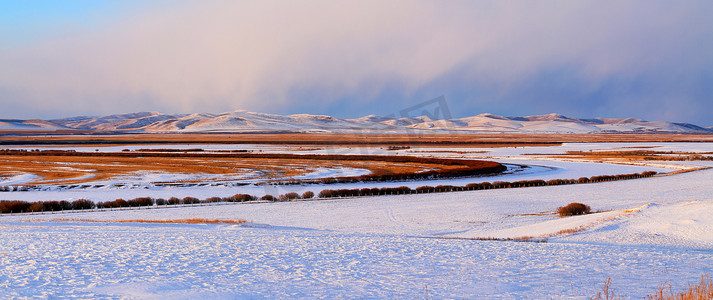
[241, 121]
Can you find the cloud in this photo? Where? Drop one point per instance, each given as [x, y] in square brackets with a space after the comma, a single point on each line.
[371, 56]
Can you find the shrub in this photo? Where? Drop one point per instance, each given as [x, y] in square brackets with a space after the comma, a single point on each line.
[141, 201]
[648, 173]
[65, 205]
[35, 207]
[13, 206]
[327, 193]
[443, 188]
[160, 201]
[120, 203]
[240, 198]
[573, 209]
[174, 201]
[307, 195]
[289, 196]
[212, 200]
[268, 198]
[132, 203]
[501, 184]
[83, 204]
[190, 200]
[424, 189]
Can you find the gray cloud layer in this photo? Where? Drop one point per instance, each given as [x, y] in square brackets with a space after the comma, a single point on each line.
[586, 58]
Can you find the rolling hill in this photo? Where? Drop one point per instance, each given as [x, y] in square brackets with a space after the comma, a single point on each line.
[241, 121]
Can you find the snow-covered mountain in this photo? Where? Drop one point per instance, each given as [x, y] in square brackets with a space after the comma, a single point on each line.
[28, 125]
[245, 121]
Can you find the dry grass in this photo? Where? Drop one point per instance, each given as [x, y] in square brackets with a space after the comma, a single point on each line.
[703, 290]
[635, 155]
[65, 170]
[172, 221]
[607, 292]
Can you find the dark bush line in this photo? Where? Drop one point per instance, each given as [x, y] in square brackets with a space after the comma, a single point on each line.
[432, 174]
[328, 193]
[12, 206]
[166, 150]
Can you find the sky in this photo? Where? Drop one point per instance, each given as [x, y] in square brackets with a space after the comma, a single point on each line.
[646, 59]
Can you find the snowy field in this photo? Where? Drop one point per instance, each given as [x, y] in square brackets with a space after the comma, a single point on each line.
[647, 232]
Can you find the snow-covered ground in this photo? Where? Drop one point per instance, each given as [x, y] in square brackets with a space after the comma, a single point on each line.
[648, 232]
[17, 178]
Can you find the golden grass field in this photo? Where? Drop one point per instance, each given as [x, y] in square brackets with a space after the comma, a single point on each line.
[60, 169]
[77, 170]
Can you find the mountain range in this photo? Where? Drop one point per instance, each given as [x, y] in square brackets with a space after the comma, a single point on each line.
[242, 121]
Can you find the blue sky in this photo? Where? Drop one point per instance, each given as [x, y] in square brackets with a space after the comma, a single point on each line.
[644, 59]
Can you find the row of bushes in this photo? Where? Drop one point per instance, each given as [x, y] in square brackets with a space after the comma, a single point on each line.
[15, 206]
[10, 206]
[23, 188]
[474, 186]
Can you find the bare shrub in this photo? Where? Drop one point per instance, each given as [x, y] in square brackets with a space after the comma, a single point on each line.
[289, 196]
[35, 207]
[648, 173]
[573, 209]
[212, 200]
[607, 292]
[308, 195]
[424, 189]
[120, 203]
[13, 206]
[240, 198]
[327, 193]
[268, 198]
[141, 201]
[190, 200]
[174, 201]
[501, 184]
[83, 204]
[65, 205]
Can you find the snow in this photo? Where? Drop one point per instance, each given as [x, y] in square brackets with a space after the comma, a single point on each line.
[333, 172]
[647, 232]
[228, 262]
[18, 178]
[245, 121]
